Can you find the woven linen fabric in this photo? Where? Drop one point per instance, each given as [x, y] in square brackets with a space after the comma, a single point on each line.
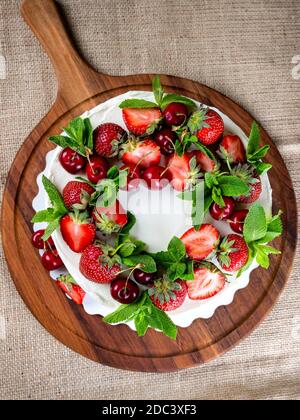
[246, 49]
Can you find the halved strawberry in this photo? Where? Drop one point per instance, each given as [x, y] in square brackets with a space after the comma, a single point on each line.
[110, 219]
[143, 153]
[201, 243]
[212, 133]
[204, 161]
[78, 231]
[70, 288]
[208, 282]
[232, 149]
[233, 253]
[141, 121]
[168, 295]
[183, 171]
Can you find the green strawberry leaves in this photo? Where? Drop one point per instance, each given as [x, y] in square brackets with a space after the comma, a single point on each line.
[145, 315]
[78, 136]
[255, 153]
[258, 231]
[53, 214]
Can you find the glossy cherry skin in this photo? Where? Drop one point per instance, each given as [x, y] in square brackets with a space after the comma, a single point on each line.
[222, 213]
[38, 242]
[143, 278]
[175, 114]
[96, 169]
[166, 139]
[156, 177]
[124, 291]
[51, 260]
[72, 161]
[237, 220]
[133, 178]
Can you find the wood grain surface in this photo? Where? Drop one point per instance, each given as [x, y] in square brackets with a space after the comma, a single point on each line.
[81, 88]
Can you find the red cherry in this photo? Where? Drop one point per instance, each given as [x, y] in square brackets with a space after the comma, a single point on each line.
[222, 213]
[124, 291]
[72, 161]
[143, 278]
[96, 169]
[156, 177]
[38, 242]
[51, 260]
[166, 139]
[237, 220]
[133, 178]
[175, 114]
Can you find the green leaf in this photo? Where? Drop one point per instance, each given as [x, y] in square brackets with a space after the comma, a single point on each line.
[124, 312]
[232, 186]
[262, 167]
[206, 151]
[176, 249]
[254, 139]
[137, 103]
[131, 221]
[47, 215]
[259, 154]
[275, 224]
[167, 325]
[251, 257]
[145, 262]
[54, 195]
[199, 205]
[216, 196]
[52, 226]
[255, 225]
[269, 250]
[170, 98]
[89, 141]
[64, 141]
[189, 274]
[176, 271]
[158, 90]
[210, 180]
[141, 324]
[262, 259]
[163, 258]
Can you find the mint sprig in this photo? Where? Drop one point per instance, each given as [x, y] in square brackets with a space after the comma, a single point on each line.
[258, 232]
[145, 315]
[78, 136]
[137, 103]
[52, 215]
[255, 153]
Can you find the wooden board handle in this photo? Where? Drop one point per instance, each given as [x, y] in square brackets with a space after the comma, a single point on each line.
[44, 19]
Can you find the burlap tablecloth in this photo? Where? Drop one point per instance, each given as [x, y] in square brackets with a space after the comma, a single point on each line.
[242, 48]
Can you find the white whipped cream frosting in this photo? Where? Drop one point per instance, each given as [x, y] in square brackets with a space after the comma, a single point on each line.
[155, 229]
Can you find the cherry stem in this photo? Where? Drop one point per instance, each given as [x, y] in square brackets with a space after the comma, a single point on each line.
[88, 152]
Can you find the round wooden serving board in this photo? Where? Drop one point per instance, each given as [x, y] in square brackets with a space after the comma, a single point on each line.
[79, 89]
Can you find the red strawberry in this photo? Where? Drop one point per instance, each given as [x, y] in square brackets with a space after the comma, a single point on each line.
[98, 263]
[232, 149]
[110, 219]
[204, 161]
[141, 121]
[248, 174]
[201, 243]
[107, 139]
[208, 282]
[69, 286]
[77, 195]
[77, 231]
[182, 171]
[210, 135]
[168, 295]
[233, 253]
[143, 154]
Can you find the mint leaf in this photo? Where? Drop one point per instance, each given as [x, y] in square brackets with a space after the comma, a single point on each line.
[167, 325]
[206, 151]
[189, 274]
[262, 167]
[124, 312]
[158, 90]
[137, 103]
[255, 225]
[47, 215]
[88, 129]
[232, 186]
[176, 271]
[259, 154]
[217, 197]
[145, 262]
[176, 249]
[64, 141]
[52, 226]
[170, 98]
[54, 195]
[141, 324]
[131, 221]
[254, 139]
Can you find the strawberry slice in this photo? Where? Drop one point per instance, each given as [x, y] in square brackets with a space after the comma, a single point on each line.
[201, 243]
[77, 230]
[204, 161]
[232, 149]
[110, 219]
[208, 282]
[142, 154]
[70, 288]
[182, 171]
[141, 121]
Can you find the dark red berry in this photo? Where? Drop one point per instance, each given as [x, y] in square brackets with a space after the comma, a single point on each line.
[222, 213]
[237, 220]
[175, 114]
[143, 278]
[38, 242]
[51, 260]
[133, 177]
[156, 177]
[166, 139]
[96, 169]
[124, 291]
[72, 161]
